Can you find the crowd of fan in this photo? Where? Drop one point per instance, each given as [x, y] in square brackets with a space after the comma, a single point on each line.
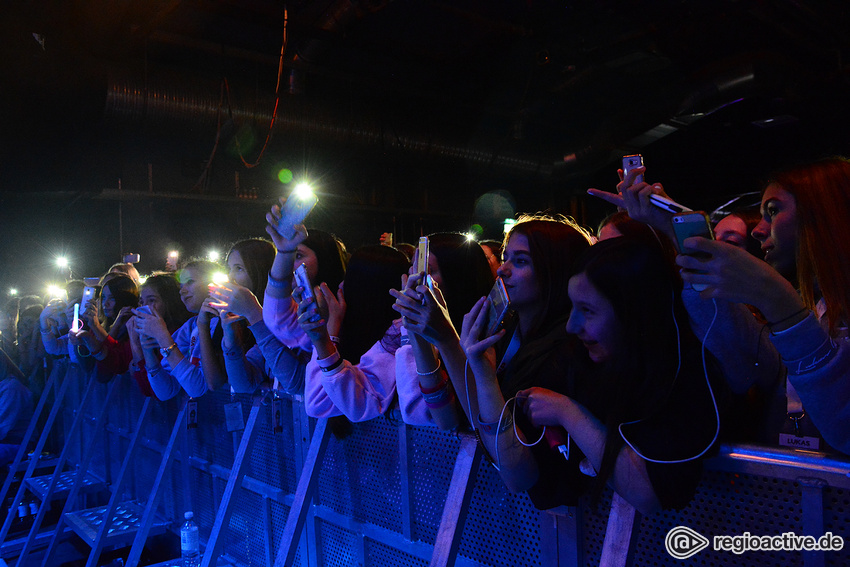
[631, 374]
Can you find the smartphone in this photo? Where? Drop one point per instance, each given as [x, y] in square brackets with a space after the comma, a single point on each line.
[693, 223]
[144, 309]
[422, 258]
[131, 258]
[668, 204]
[499, 315]
[294, 211]
[631, 162]
[89, 292]
[303, 281]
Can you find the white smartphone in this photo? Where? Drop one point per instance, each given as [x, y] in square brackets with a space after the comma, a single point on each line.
[668, 204]
[294, 211]
[693, 223]
[422, 260]
[630, 163]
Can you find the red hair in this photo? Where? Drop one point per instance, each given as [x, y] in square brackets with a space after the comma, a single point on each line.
[822, 193]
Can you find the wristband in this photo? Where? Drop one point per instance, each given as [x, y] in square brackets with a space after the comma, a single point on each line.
[330, 363]
[332, 367]
[276, 283]
[81, 354]
[789, 318]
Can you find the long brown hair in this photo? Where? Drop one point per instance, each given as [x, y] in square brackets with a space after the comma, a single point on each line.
[822, 193]
[555, 243]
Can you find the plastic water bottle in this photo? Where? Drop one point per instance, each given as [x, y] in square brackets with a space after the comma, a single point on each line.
[190, 542]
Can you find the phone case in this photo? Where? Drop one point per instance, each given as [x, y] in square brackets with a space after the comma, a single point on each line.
[499, 313]
[303, 281]
[424, 251]
[694, 223]
[294, 211]
[685, 225]
[631, 162]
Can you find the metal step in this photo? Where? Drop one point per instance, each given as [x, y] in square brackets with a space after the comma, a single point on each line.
[38, 485]
[125, 524]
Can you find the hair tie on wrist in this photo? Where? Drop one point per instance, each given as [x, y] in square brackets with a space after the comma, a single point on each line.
[334, 339]
[431, 372]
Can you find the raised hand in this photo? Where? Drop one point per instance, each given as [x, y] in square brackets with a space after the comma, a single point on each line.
[237, 300]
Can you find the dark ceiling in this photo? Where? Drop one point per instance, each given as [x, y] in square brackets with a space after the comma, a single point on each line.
[416, 105]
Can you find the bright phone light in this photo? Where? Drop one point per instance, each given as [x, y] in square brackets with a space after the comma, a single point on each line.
[55, 291]
[219, 277]
[173, 254]
[62, 262]
[303, 191]
[13, 291]
[142, 279]
[213, 255]
[509, 223]
[470, 236]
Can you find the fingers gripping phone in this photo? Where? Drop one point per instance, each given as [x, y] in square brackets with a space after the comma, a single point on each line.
[631, 162]
[294, 211]
[694, 223]
[499, 315]
[303, 281]
[90, 292]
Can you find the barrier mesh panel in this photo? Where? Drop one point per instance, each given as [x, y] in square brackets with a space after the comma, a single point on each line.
[337, 546]
[360, 475]
[431, 473]
[501, 528]
[379, 555]
[362, 480]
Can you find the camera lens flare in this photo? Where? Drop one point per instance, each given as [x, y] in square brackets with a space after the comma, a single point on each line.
[302, 191]
[55, 291]
[62, 262]
[285, 175]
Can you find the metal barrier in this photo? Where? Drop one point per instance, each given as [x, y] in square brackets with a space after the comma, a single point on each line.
[394, 495]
